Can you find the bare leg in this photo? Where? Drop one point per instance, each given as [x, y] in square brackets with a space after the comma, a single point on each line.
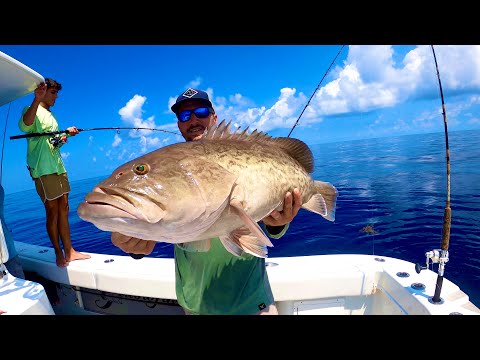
[51, 209]
[64, 231]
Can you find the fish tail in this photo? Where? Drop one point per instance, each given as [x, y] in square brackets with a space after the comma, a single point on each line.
[324, 201]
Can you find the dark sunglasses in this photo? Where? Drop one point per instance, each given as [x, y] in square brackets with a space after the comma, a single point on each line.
[201, 113]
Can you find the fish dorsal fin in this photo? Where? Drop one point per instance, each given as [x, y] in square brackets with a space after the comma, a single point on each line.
[298, 150]
[223, 131]
[295, 148]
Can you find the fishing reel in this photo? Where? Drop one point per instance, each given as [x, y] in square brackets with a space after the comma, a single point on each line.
[58, 140]
[434, 257]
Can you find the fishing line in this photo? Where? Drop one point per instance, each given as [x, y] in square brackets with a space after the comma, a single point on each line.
[339, 51]
[2, 254]
[50, 133]
[3, 142]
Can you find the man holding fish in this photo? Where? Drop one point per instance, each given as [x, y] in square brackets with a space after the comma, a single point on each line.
[217, 281]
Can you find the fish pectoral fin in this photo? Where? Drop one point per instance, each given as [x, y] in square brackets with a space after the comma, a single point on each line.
[231, 245]
[196, 246]
[242, 240]
[237, 207]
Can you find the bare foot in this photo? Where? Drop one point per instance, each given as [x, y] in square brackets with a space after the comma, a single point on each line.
[75, 255]
[61, 261]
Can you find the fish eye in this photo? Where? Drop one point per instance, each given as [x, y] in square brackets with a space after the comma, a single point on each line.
[141, 169]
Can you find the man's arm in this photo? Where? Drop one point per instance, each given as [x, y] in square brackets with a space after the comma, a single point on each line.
[29, 116]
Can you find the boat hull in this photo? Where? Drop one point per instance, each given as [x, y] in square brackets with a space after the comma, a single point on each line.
[341, 284]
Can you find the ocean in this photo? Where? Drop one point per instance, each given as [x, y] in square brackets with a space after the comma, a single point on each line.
[397, 185]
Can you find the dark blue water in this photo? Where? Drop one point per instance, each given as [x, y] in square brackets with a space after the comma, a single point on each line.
[398, 185]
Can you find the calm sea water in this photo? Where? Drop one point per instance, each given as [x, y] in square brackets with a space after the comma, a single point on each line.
[397, 185]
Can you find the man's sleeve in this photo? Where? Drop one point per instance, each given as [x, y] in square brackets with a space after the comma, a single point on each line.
[276, 232]
[21, 124]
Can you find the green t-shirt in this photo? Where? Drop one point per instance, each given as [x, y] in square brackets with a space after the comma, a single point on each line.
[216, 282]
[42, 157]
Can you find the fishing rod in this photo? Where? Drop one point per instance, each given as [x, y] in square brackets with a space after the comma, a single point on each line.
[441, 256]
[50, 133]
[447, 215]
[296, 122]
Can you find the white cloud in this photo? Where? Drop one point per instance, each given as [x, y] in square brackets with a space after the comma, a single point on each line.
[131, 115]
[116, 140]
[372, 77]
[133, 108]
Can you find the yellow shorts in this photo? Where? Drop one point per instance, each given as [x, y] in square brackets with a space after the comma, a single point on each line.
[52, 186]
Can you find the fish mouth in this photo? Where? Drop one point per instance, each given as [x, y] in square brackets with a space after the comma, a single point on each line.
[99, 204]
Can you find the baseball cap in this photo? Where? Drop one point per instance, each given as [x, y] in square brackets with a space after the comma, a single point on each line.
[192, 94]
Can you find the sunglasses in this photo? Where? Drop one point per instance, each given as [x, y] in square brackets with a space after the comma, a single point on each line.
[201, 113]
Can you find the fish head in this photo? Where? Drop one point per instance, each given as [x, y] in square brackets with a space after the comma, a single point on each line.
[166, 195]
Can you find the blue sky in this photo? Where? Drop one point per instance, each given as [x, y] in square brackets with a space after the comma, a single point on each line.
[371, 91]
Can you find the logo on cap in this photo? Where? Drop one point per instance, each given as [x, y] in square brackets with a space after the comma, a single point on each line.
[190, 93]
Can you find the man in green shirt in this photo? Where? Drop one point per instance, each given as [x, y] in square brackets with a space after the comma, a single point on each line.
[216, 282]
[47, 169]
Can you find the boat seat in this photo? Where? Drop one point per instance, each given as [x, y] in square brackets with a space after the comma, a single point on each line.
[24, 297]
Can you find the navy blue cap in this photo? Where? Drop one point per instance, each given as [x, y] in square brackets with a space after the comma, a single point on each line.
[192, 94]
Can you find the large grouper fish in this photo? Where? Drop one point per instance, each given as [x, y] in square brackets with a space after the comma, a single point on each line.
[220, 186]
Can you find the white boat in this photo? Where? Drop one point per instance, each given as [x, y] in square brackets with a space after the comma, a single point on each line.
[342, 284]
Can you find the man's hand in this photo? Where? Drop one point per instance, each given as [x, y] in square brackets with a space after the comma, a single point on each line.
[291, 206]
[133, 245]
[40, 91]
[72, 131]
